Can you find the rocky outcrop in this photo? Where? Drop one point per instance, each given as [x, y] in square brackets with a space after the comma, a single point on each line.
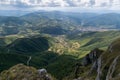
[92, 57]
[108, 63]
[99, 65]
[112, 68]
[43, 74]
[22, 72]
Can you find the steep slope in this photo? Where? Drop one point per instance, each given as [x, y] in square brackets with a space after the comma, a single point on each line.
[104, 67]
[110, 67]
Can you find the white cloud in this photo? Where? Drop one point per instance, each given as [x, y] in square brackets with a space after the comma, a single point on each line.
[62, 3]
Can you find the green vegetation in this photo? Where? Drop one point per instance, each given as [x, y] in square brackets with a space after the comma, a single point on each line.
[49, 60]
[108, 65]
[21, 72]
[28, 45]
[62, 66]
[53, 41]
[91, 40]
[54, 53]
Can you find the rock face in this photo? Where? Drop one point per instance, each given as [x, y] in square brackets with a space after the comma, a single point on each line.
[99, 69]
[22, 72]
[99, 65]
[112, 68]
[110, 63]
[43, 74]
[92, 56]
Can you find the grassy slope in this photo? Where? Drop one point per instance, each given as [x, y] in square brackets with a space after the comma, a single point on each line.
[90, 40]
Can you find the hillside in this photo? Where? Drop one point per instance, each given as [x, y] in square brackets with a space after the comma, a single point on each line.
[29, 45]
[49, 60]
[91, 40]
[100, 65]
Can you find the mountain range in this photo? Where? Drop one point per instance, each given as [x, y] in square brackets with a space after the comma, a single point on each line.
[41, 21]
[68, 45]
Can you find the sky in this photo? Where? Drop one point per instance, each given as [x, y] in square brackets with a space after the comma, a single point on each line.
[65, 5]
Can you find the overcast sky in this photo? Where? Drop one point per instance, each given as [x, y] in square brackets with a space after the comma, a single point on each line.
[60, 4]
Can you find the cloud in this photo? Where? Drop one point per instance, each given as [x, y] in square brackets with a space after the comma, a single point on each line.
[61, 3]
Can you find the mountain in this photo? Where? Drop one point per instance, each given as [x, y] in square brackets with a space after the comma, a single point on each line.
[100, 65]
[58, 23]
[55, 41]
[74, 17]
[66, 21]
[110, 20]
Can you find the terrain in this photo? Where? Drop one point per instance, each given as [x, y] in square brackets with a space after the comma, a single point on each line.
[61, 43]
[101, 65]
[21, 72]
[58, 22]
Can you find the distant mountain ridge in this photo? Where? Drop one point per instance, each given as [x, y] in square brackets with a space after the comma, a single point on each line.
[110, 20]
[63, 22]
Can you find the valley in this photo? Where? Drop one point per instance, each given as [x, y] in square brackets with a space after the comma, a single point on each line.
[60, 42]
